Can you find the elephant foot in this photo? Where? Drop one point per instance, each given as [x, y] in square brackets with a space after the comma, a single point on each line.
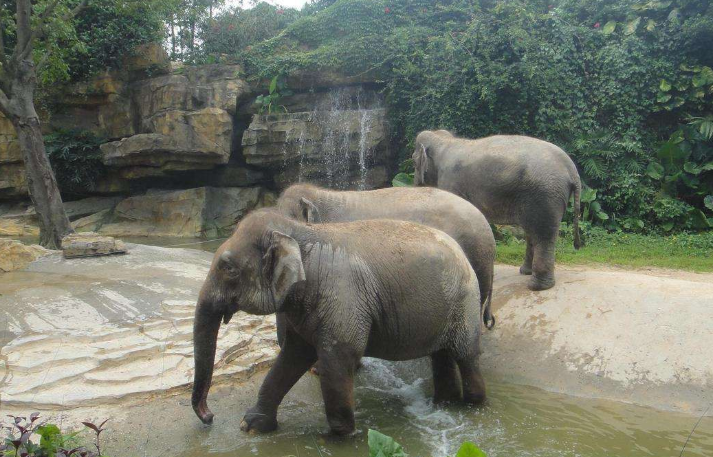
[255, 421]
[525, 270]
[541, 283]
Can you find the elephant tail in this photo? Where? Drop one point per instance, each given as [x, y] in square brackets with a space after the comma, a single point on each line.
[575, 210]
[488, 318]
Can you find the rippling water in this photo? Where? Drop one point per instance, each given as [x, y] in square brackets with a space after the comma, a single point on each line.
[517, 421]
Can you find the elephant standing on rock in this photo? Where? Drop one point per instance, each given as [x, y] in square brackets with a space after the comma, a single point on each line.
[379, 288]
[428, 206]
[512, 180]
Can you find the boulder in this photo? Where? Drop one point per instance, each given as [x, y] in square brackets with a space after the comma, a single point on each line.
[148, 59]
[92, 223]
[13, 182]
[180, 140]
[89, 244]
[15, 255]
[203, 211]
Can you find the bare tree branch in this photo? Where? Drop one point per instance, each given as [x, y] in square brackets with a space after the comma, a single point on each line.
[23, 29]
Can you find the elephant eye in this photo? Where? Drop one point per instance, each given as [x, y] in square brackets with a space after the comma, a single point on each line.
[229, 269]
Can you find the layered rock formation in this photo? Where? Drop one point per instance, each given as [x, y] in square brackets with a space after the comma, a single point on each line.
[189, 154]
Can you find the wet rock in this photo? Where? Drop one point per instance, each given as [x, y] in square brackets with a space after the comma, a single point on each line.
[633, 336]
[203, 211]
[115, 327]
[89, 244]
[15, 255]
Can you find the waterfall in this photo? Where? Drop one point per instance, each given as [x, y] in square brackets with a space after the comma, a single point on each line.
[335, 138]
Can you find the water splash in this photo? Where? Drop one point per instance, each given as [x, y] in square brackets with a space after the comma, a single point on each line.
[442, 429]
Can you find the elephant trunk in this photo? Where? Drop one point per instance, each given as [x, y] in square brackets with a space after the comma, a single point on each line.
[205, 339]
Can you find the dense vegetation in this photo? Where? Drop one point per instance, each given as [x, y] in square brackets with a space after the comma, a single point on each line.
[625, 87]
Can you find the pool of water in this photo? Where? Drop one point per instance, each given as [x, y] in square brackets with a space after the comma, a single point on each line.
[518, 421]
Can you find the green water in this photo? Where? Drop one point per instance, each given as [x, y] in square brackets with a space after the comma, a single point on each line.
[517, 421]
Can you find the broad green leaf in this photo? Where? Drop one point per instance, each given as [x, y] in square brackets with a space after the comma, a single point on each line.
[706, 129]
[402, 180]
[273, 84]
[655, 171]
[632, 26]
[609, 27]
[708, 201]
[707, 166]
[469, 449]
[381, 445]
[690, 167]
[602, 216]
[663, 98]
[667, 226]
[665, 86]
[588, 195]
[698, 219]
[673, 15]
[651, 25]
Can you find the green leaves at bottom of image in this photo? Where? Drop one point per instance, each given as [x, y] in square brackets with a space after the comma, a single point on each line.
[381, 445]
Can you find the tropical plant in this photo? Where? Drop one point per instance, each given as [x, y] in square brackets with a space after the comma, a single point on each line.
[76, 160]
[276, 90]
[381, 445]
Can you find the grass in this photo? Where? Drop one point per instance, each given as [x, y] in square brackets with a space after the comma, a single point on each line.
[683, 251]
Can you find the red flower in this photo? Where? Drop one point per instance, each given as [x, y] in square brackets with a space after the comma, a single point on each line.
[596, 25]
[280, 11]
[387, 10]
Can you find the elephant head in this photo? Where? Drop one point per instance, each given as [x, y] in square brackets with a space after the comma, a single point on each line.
[424, 167]
[296, 202]
[253, 271]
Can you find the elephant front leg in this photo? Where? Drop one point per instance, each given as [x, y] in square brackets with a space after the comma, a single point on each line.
[336, 370]
[295, 358]
[526, 268]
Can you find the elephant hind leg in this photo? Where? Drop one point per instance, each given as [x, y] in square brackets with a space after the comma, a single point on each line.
[526, 268]
[446, 379]
[472, 380]
[543, 265]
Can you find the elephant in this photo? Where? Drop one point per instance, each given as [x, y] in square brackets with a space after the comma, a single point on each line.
[389, 289]
[428, 206]
[512, 179]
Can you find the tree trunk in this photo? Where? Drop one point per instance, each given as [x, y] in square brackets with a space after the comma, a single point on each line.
[54, 224]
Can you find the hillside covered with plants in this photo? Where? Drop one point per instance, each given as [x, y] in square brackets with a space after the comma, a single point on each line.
[625, 87]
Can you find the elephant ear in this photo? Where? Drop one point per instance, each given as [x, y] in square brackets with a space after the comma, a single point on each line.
[420, 163]
[282, 267]
[310, 213]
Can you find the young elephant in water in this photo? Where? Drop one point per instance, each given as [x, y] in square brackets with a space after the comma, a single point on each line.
[380, 288]
[512, 180]
[428, 206]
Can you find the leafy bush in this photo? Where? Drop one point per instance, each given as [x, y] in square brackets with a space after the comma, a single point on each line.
[75, 159]
[235, 29]
[18, 440]
[276, 90]
[607, 80]
[381, 445]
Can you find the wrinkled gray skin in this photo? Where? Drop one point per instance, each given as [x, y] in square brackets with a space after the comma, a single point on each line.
[388, 289]
[512, 180]
[425, 205]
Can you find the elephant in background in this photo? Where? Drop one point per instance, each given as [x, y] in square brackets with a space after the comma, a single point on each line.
[512, 180]
[379, 288]
[428, 206]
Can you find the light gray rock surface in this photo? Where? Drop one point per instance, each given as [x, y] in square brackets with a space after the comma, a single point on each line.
[98, 330]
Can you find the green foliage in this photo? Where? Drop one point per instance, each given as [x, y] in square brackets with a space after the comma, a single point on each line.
[606, 80]
[683, 251]
[237, 28]
[75, 159]
[108, 31]
[20, 434]
[405, 176]
[381, 445]
[276, 90]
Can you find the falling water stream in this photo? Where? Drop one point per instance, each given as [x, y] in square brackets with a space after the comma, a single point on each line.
[345, 119]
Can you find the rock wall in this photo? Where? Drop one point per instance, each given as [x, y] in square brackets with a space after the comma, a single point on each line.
[177, 135]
